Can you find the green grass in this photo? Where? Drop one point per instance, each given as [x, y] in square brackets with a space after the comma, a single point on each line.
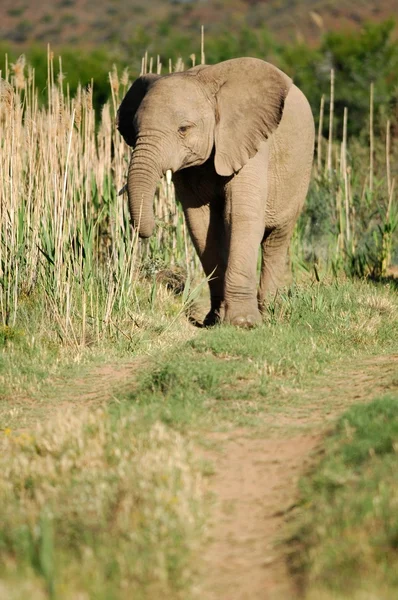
[347, 530]
[35, 362]
[109, 502]
[228, 374]
[90, 504]
[101, 492]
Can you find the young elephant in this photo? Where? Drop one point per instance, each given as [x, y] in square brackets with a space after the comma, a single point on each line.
[238, 137]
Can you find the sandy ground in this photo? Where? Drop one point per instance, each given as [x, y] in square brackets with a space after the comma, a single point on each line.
[255, 477]
[254, 486]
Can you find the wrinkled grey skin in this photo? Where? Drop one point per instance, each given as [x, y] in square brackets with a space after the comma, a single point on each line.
[238, 137]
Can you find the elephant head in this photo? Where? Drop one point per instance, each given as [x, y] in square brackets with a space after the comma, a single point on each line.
[176, 121]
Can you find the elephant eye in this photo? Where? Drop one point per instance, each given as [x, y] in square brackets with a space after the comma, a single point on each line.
[184, 128]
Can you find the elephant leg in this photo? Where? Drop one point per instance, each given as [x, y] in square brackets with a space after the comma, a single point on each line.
[206, 228]
[274, 260]
[203, 204]
[245, 230]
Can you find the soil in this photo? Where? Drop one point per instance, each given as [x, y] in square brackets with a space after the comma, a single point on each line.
[254, 486]
[74, 22]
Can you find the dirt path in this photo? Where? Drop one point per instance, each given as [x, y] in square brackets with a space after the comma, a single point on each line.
[255, 485]
[254, 488]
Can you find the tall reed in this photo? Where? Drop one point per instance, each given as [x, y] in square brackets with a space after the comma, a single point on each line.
[356, 198]
[65, 233]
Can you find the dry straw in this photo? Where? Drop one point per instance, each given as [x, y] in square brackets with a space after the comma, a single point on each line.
[371, 138]
[64, 232]
[340, 181]
[320, 128]
[331, 114]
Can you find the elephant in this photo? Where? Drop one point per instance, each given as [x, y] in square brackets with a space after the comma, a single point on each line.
[238, 137]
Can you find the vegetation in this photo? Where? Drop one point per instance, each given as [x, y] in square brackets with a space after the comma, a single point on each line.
[225, 370]
[87, 489]
[72, 486]
[66, 235]
[92, 496]
[346, 533]
[358, 58]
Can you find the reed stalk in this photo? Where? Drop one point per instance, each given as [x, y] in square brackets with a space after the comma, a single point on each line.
[320, 129]
[65, 234]
[329, 165]
[346, 177]
[202, 46]
[388, 156]
[371, 138]
[390, 225]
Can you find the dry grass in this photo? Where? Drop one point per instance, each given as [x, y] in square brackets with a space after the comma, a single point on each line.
[96, 507]
[363, 219]
[107, 506]
[65, 233]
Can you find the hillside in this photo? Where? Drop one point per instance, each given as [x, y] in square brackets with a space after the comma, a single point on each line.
[114, 23]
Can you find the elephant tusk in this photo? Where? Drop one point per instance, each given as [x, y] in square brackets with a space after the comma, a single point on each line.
[122, 191]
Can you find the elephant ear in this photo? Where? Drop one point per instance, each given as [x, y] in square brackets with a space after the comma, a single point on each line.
[130, 104]
[250, 96]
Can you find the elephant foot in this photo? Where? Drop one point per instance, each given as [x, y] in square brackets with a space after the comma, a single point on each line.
[243, 319]
[246, 322]
[212, 318]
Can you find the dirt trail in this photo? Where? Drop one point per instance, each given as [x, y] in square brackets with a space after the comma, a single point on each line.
[254, 489]
[255, 485]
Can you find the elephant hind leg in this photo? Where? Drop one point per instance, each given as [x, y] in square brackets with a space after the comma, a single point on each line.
[274, 262]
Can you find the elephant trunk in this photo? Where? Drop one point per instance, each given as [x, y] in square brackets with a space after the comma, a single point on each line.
[143, 176]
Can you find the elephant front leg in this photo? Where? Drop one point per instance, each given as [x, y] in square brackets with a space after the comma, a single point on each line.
[245, 227]
[206, 228]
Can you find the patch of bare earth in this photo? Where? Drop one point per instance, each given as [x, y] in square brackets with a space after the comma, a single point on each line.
[96, 388]
[102, 384]
[255, 485]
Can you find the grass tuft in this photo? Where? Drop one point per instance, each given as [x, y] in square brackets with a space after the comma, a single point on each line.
[109, 504]
[92, 505]
[346, 533]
